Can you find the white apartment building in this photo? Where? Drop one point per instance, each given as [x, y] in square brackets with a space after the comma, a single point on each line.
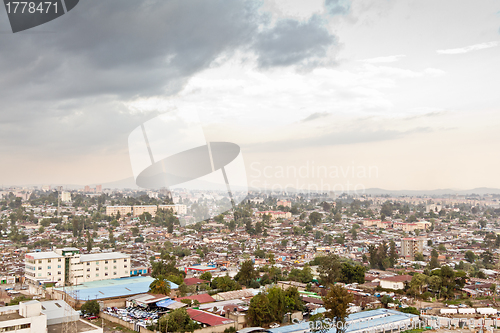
[67, 266]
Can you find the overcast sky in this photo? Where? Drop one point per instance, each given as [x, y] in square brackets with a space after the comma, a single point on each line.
[390, 94]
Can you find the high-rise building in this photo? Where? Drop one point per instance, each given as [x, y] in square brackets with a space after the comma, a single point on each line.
[98, 189]
[86, 189]
[67, 266]
[411, 246]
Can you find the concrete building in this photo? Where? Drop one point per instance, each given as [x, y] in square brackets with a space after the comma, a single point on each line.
[176, 209]
[65, 196]
[411, 246]
[275, 215]
[138, 210]
[42, 317]
[68, 267]
[113, 210]
[395, 282]
[284, 203]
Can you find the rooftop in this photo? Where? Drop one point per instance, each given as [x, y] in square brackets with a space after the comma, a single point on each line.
[43, 255]
[103, 256]
[113, 288]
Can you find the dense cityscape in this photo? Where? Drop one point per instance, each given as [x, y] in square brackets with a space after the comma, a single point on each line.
[275, 260]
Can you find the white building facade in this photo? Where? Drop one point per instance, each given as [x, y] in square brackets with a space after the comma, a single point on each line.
[67, 266]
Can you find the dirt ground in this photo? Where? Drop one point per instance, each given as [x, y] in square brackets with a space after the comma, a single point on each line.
[110, 327]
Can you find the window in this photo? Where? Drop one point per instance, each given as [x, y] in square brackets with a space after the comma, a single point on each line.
[39, 261]
[88, 269]
[48, 260]
[88, 276]
[114, 273]
[39, 274]
[125, 266]
[97, 275]
[59, 273]
[105, 261]
[39, 268]
[105, 274]
[49, 267]
[97, 269]
[114, 261]
[88, 264]
[97, 262]
[106, 268]
[114, 267]
[124, 260]
[49, 273]
[58, 266]
[59, 259]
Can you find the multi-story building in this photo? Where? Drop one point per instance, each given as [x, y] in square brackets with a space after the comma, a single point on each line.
[68, 267]
[284, 203]
[138, 210]
[275, 215]
[176, 209]
[113, 210]
[65, 196]
[411, 246]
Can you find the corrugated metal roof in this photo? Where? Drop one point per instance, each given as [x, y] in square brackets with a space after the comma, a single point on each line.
[112, 288]
[208, 318]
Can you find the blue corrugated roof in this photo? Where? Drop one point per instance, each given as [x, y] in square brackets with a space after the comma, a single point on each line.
[112, 288]
[356, 325]
[165, 303]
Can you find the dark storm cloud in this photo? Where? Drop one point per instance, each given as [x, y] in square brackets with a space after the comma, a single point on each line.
[63, 84]
[124, 48]
[292, 42]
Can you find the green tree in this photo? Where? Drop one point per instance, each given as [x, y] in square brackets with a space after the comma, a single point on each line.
[352, 273]
[177, 321]
[259, 311]
[247, 273]
[315, 218]
[336, 303]
[90, 307]
[183, 289]
[470, 256]
[207, 276]
[434, 263]
[419, 256]
[329, 269]
[160, 286]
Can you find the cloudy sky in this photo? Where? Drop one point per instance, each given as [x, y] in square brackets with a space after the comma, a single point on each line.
[391, 94]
